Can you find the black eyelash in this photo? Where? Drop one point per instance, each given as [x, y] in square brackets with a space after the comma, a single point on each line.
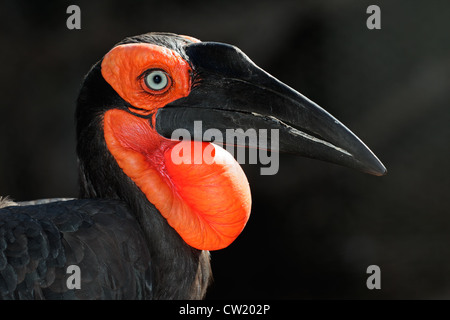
[196, 79]
[142, 75]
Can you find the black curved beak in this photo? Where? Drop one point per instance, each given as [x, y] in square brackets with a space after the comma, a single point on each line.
[229, 92]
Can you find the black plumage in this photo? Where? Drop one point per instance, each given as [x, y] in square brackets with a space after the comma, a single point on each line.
[123, 246]
[102, 237]
[39, 242]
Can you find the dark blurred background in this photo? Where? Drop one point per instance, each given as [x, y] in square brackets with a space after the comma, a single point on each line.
[315, 227]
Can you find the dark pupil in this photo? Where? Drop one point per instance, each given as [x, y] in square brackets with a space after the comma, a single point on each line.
[157, 79]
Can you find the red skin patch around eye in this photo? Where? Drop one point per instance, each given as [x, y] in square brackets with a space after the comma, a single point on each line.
[125, 65]
[208, 204]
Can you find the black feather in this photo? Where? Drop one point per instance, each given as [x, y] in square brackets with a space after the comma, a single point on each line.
[41, 244]
[123, 246]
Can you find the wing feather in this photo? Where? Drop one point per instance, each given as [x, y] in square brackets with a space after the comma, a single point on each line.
[39, 241]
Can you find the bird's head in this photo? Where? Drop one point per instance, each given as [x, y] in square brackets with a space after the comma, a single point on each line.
[150, 85]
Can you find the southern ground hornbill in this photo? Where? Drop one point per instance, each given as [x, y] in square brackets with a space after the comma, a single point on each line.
[143, 224]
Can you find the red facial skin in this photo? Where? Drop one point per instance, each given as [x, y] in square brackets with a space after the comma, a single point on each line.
[208, 204]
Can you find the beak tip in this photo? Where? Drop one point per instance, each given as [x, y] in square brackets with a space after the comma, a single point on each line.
[381, 173]
[379, 170]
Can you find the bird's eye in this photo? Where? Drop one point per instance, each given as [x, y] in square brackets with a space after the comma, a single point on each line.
[156, 80]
